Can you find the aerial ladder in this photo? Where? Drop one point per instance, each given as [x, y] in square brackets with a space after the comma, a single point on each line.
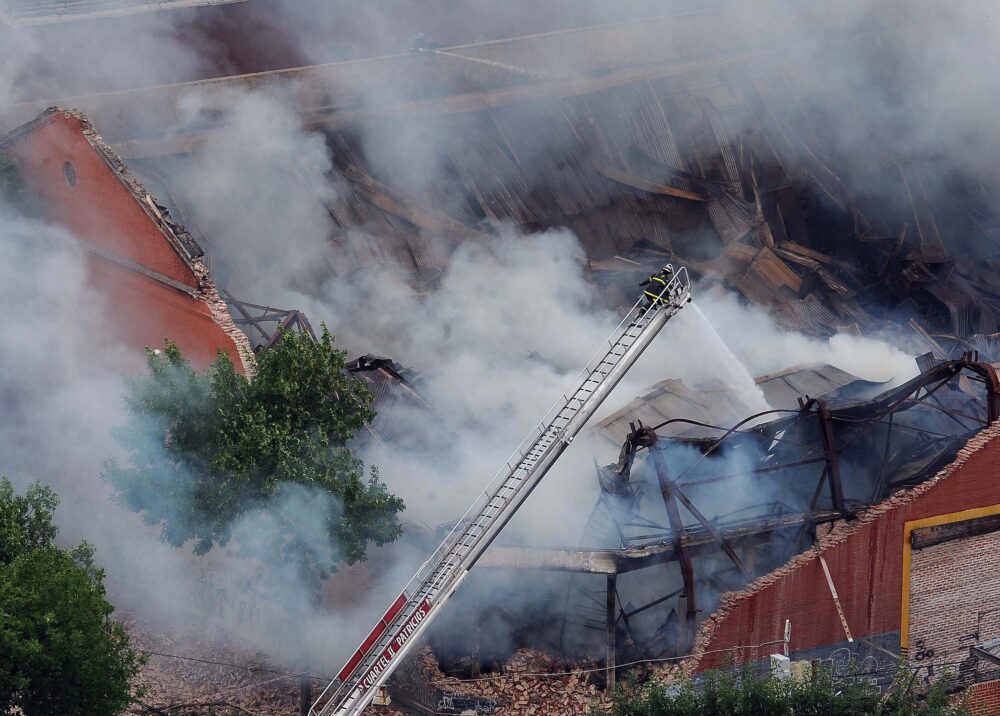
[443, 572]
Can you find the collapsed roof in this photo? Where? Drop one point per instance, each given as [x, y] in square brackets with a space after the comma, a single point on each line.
[684, 517]
[710, 150]
[706, 157]
[716, 404]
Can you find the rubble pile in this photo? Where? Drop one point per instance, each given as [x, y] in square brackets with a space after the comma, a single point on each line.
[187, 675]
[530, 683]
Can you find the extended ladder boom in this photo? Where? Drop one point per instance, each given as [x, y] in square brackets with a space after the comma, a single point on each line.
[443, 572]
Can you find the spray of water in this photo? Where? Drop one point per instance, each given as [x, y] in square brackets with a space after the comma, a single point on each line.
[730, 370]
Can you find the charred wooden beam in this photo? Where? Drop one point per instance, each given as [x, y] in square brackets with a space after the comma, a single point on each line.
[422, 217]
[630, 559]
[646, 185]
[305, 695]
[670, 491]
[883, 474]
[929, 536]
[809, 523]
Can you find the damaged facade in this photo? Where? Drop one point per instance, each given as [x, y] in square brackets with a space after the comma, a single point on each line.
[677, 525]
[909, 580]
[140, 260]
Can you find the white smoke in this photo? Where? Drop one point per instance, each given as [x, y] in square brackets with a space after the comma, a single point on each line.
[496, 343]
[764, 348]
[62, 377]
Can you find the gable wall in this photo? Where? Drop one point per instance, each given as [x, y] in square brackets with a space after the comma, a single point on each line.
[99, 209]
[152, 292]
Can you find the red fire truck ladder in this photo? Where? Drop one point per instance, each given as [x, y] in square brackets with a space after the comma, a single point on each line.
[443, 572]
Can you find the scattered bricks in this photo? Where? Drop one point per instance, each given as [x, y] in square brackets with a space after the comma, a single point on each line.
[217, 674]
[525, 686]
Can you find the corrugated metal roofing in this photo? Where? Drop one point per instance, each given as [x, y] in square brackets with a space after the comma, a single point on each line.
[712, 404]
[784, 388]
[716, 404]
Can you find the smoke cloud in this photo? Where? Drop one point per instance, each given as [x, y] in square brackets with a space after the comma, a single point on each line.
[500, 333]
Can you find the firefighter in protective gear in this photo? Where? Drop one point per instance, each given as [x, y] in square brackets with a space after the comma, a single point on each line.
[655, 285]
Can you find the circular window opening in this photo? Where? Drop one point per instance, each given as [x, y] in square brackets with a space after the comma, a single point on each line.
[70, 173]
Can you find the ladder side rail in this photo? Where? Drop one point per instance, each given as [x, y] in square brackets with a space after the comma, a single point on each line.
[461, 549]
[451, 557]
[357, 699]
[443, 587]
[572, 429]
[678, 288]
[444, 584]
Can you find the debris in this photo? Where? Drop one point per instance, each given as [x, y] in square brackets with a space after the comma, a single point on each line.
[530, 682]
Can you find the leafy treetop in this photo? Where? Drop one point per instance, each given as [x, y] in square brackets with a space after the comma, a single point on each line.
[60, 652]
[207, 450]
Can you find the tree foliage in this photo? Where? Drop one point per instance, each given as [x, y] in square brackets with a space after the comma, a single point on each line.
[741, 692]
[211, 452]
[60, 652]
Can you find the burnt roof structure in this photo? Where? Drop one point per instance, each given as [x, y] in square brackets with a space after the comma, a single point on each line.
[390, 384]
[707, 503]
[695, 508]
[715, 403]
[710, 150]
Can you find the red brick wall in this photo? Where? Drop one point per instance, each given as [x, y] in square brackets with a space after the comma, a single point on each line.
[147, 311]
[984, 699]
[98, 209]
[865, 560]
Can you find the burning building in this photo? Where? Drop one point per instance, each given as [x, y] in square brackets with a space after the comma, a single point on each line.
[714, 150]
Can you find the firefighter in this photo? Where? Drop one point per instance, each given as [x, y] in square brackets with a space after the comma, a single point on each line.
[657, 283]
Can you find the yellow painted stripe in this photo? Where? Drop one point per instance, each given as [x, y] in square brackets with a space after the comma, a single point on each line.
[908, 527]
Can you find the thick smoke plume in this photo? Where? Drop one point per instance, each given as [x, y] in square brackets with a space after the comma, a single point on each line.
[62, 403]
[511, 320]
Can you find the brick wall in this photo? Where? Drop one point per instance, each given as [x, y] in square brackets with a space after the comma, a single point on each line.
[984, 699]
[146, 312]
[95, 206]
[153, 290]
[953, 601]
[865, 558]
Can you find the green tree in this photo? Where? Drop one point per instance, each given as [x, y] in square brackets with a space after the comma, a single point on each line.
[208, 449]
[60, 652]
[741, 692]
